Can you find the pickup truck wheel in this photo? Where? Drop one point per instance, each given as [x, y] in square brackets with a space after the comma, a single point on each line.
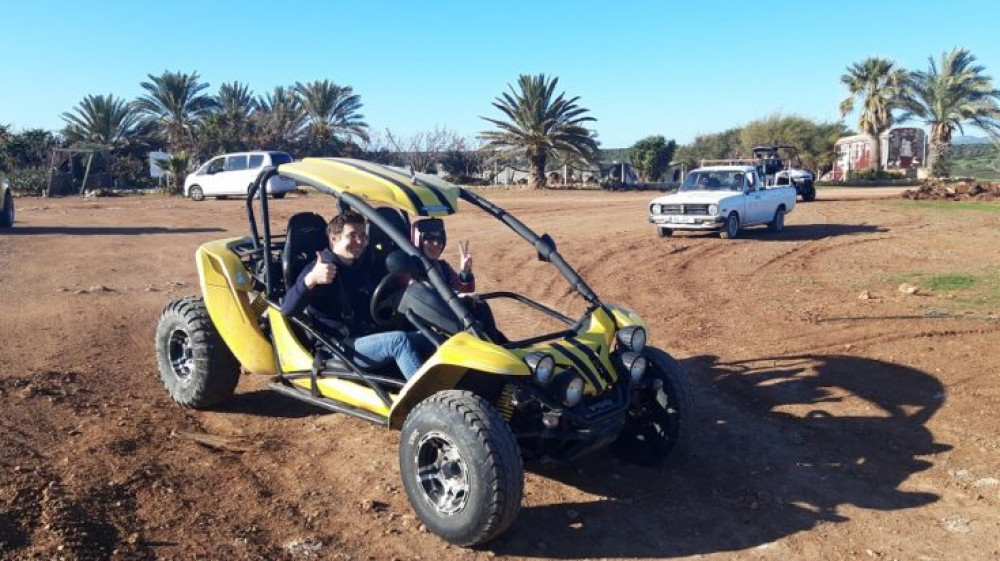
[195, 365]
[461, 467]
[660, 415]
[664, 232]
[778, 223]
[809, 193]
[732, 228]
[196, 194]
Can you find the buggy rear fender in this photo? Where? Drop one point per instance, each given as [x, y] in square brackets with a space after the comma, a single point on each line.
[444, 370]
[226, 287]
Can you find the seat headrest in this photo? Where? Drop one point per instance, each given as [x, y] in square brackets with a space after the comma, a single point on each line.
[305, 235]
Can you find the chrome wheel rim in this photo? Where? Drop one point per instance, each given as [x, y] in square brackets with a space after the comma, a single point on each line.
[442, 474]
[180, 353]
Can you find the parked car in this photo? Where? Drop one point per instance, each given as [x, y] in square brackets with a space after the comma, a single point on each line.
[6, 203]
[232, 174]
[723, 198]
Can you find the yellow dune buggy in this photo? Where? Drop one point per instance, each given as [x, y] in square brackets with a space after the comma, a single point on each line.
[477, 407]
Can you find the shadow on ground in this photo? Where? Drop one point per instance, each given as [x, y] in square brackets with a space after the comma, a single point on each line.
[782, 444]
[102, 230]
[267, 403]
[796, 232]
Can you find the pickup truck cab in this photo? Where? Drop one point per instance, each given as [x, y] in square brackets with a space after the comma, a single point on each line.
[724, 198]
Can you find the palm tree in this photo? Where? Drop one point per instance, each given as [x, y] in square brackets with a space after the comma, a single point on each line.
[174, 167]
[539, 125]
[175, 103]
[946, 96]
[876, 82]
[105, 120]
[228, 129]
[332, 112]
[279, 119]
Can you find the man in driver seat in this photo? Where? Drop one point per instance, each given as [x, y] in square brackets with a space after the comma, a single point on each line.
[335, 290]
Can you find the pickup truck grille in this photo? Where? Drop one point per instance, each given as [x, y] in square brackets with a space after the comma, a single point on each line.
[685, 209]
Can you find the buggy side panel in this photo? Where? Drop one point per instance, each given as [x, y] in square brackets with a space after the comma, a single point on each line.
[444, 370]
[347, 391]
[292, 356]
[225, 286]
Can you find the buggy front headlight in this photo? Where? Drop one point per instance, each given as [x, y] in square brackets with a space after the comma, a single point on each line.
[542, 366]
[633, 338]
[635, 364]
[569, 388]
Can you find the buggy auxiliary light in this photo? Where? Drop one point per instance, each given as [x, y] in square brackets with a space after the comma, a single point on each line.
[542, 367]
[635, 364]
[633, 338]
[568, 386]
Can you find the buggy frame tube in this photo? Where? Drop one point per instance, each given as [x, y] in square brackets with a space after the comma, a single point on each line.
[259, 184]
[544, 248]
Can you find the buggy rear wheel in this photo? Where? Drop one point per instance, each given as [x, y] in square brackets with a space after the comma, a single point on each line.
[461, 467]
[196, 366]
[660, 416]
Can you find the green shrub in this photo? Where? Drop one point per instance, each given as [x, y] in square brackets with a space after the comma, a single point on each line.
[29, 181]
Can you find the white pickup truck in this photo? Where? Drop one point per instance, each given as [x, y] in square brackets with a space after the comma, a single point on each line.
[723, 198]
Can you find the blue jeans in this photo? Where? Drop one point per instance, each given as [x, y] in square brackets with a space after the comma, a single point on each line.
[379, 349]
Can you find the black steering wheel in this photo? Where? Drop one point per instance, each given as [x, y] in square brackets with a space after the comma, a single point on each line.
[385, 298]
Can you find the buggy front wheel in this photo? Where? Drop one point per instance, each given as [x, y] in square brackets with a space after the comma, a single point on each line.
[660, 415]
[461, 467]
[196, 366]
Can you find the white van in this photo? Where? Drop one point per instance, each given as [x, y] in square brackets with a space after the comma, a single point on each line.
[232, 174]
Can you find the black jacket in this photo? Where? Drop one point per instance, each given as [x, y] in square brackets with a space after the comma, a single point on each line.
[341, 308]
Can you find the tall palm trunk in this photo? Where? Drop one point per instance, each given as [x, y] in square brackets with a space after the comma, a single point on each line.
[937, 159]
[538, 170]
[876, 163]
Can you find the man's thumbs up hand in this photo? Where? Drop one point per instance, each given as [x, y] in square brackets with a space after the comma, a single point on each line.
[321, 273]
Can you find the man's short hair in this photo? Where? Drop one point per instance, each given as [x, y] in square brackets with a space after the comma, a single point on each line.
[336, 224]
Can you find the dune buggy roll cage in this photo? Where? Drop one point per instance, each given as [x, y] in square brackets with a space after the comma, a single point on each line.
[544, 245]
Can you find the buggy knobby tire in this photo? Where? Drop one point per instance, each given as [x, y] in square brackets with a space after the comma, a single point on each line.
[461, 467]
[660, 418]
[195, 365]
[7, 213]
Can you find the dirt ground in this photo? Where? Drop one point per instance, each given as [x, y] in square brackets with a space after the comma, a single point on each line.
[838, 416]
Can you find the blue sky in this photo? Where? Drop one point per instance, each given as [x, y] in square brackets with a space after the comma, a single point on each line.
[679, 69]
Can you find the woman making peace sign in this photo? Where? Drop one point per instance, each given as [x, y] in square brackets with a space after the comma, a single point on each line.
[430, 237]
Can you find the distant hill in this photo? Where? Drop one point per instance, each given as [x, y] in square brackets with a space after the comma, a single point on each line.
[969, 140]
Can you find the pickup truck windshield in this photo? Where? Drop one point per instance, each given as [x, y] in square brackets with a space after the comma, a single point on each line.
[713, 181]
